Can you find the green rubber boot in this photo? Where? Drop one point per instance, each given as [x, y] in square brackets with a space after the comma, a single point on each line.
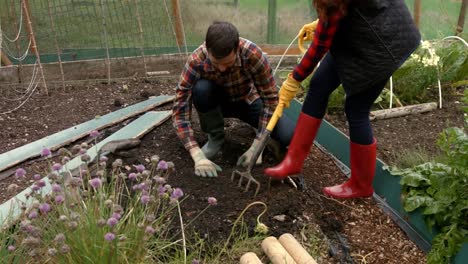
[212, 123]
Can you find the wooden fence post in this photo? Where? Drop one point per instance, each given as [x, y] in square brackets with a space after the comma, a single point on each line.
[106, 40]
[271, 32]
[417, 12]
[461, 18]
[25, 6]
[178, 24]
[4, 58]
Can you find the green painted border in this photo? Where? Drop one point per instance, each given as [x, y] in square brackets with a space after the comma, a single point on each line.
[387, 187]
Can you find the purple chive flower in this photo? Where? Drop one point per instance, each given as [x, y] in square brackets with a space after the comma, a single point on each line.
[59, 199]
[73, 225]
[162, 190]
[35, 188]
[144, 186]
[195, 261]
[59, 238]
[56, 188]
[20, 173]
[109, 236]
[46, 152]
[101, 222]
[94, 134]
[95, 183]
[177, 193]
[52, 251]
[112, 221]
[212, 201]
[160, 180]
[65, 160]
[32, 214]
[40, 183]
[37, 177]
[140, 168]
[162, 165]
[85, 157]
[149, 230]
[11, 248]
[116, 216]
[103, 159]
[145, 199]
[57, 166]
[65, 249]
[82, 151]
[132, 176]
[44, 208]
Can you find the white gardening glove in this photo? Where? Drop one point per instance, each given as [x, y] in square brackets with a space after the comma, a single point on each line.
[244, 160]
[203, 166]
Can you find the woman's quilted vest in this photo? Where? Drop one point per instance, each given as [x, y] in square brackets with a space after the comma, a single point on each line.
[372, 41]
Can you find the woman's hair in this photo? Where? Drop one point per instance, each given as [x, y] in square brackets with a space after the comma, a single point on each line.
[221, 39]
[325, 7]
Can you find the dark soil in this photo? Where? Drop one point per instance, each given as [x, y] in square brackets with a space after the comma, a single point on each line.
[417, 132]
[370, 235]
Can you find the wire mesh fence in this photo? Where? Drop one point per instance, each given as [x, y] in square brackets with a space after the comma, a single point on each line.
[74, 30]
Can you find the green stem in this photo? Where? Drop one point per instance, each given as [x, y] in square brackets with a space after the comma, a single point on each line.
[235, 223]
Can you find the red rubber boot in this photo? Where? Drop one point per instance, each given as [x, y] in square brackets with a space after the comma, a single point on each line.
[304, 135]
[363, 161]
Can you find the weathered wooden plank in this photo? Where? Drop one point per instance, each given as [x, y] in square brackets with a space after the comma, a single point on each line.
[64, 137]
[11, 209]
[402, 111]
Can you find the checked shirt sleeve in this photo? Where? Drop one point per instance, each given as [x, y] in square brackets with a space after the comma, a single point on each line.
[181, 112]
[320, 45]
[265, 85]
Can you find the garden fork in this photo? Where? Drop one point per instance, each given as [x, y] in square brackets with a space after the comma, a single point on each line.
[247, 174]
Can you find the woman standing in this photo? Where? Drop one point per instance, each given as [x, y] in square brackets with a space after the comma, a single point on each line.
[361, 43]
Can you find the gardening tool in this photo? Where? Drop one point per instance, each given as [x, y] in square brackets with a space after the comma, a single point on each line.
[305, 33]
[261, 145]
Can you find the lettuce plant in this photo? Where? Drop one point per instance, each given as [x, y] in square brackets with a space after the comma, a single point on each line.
[439, 190]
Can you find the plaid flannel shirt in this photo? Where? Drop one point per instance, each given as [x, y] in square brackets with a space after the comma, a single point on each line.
[248, 79]
[320, 45]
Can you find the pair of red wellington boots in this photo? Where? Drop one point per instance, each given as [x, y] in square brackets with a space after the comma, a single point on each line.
[363, 161]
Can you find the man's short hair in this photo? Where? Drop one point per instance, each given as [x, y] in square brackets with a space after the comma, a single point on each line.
[221, 39]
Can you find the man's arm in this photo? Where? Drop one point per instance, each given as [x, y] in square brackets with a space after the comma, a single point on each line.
[181, 113]
[265, 85]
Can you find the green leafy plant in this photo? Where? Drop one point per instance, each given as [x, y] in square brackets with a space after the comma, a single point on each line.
[445, 60]
[439, 190]
[383, 100]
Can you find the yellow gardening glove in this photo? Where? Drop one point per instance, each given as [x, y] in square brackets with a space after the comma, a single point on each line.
[203, 166]
[288, 91]
[306, 34]
[307, 31]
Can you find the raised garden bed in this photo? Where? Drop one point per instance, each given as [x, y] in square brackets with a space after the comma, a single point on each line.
[355, 230]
